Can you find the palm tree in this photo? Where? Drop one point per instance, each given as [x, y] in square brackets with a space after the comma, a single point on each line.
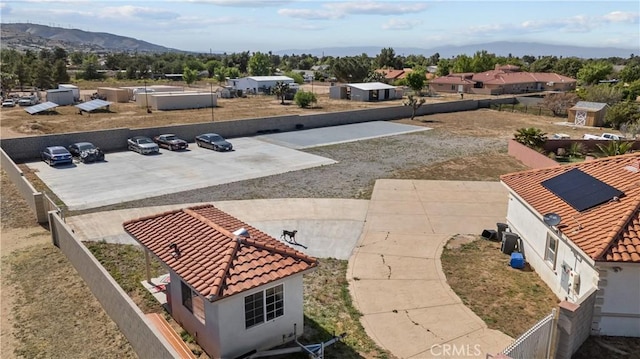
[614, 148]
[531, 137]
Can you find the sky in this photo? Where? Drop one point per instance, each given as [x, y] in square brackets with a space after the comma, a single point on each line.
[273, 25]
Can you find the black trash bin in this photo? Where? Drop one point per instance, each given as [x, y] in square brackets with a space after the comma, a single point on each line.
[490, 234]
[502, 227]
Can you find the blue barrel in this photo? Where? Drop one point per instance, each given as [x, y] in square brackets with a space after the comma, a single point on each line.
[517, 260]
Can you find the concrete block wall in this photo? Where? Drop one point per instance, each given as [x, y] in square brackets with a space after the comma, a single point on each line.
[34, 199]
[28, 148]
[574, 324]
[145, 339]
[528, 156]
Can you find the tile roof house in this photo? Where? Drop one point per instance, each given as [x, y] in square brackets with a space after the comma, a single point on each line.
[232, 287]
[596, 244]
[586, 113]
[507, 79]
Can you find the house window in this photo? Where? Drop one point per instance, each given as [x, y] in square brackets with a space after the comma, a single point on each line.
[275, 302]
[551, 251]
[187, 296]
[267, 304]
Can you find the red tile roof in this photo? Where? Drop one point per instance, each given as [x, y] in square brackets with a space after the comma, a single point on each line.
[390, 74]
[211, 260]
[608, 232]
[500, 77]
[452, 80]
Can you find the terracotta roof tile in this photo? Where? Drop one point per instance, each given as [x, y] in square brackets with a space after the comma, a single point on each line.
[209, 257]
[607, 232]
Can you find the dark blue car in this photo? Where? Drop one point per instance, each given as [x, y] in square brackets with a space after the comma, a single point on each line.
[55, 155]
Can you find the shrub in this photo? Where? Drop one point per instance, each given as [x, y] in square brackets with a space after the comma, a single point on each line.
[305, 98]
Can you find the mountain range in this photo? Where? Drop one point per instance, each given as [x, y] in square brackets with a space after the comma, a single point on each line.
[23, 36]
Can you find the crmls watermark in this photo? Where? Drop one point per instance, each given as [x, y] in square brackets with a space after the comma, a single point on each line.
[456, 350]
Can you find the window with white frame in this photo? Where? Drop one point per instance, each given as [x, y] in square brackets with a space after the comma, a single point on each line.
[267, 304]
[551, 250]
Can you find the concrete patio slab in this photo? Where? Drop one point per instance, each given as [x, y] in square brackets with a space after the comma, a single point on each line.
[376, 265]
[406, 245]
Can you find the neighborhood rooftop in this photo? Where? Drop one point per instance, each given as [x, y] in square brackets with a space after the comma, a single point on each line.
[199, 245]
[606, 232]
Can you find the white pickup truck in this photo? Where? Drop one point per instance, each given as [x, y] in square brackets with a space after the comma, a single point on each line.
[604, 136]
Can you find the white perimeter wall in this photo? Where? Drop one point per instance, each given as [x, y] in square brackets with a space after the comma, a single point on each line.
[618, 300]
[529, 226]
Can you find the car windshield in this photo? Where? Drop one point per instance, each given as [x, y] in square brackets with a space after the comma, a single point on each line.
[59, 151]
[144, 140]
[216, 138]
[170, 137]
[85, 146]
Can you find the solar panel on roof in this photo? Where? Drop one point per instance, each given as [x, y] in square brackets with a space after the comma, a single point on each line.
[580, 190]
[93, 105]
[40, 107]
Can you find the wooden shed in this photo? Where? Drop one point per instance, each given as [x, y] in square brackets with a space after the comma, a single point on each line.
[586, 113]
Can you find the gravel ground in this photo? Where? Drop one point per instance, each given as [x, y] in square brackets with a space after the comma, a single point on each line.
[359, 165]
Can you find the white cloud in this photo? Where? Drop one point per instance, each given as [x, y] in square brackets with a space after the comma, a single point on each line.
[340, 10]
[377, 8]
[309, 14]
[5, 9]
[400, 24]
[137, 12]
[242, 3]
[619, 16]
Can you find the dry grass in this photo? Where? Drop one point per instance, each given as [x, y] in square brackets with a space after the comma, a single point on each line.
[507, 299]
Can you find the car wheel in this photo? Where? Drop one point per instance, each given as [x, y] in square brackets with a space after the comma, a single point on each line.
[198, 143]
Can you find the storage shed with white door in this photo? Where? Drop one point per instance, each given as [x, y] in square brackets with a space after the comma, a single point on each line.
[73, 88]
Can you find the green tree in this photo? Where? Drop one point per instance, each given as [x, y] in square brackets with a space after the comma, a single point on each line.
[444, 66]
[351, 69]
[483, 61]
[76, 58]
[531, 137]
[7, 82]
[232, 72]
[614, 148]
[22, 74]
[42, 75]
[375, 76]
[602, 93]
[593, 72]
[305, 98]
[568, 66]
[260, 64]
[543, 64]
[416, 80]
[221, 75]
[280, 90]
[622, 112]
[415, 104]
[295, 76]
[631, 72]
[90, 68]
[631, 91]
[211, 67]
[386, 59]
[59, 74]
[189, 75]
[461, 64]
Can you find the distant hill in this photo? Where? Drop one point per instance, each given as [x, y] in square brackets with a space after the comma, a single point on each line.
[500, 48]
[32, 36]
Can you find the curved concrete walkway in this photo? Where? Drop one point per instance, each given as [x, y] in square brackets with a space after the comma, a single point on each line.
[395, 273]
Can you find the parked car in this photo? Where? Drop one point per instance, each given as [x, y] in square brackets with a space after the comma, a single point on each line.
[86, 152]
[214, 142]
[171, 142]
[605, 136]
[143, 145]
[54, 155]
[8, 103]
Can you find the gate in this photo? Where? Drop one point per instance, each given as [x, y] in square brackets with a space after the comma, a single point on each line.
[535, 343]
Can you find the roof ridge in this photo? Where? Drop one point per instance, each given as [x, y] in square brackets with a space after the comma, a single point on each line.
[191, 211]
[152, 216]
[285, 252]
[620, 226]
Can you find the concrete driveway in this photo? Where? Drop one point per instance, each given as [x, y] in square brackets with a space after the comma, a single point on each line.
[395, 273]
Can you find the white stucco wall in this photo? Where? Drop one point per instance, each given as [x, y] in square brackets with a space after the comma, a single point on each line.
[237, 340]
[529, 226]
[182, 100]
[253, 84]
[618, 302]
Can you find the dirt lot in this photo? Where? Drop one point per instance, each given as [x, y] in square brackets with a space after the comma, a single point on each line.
[469, 145]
